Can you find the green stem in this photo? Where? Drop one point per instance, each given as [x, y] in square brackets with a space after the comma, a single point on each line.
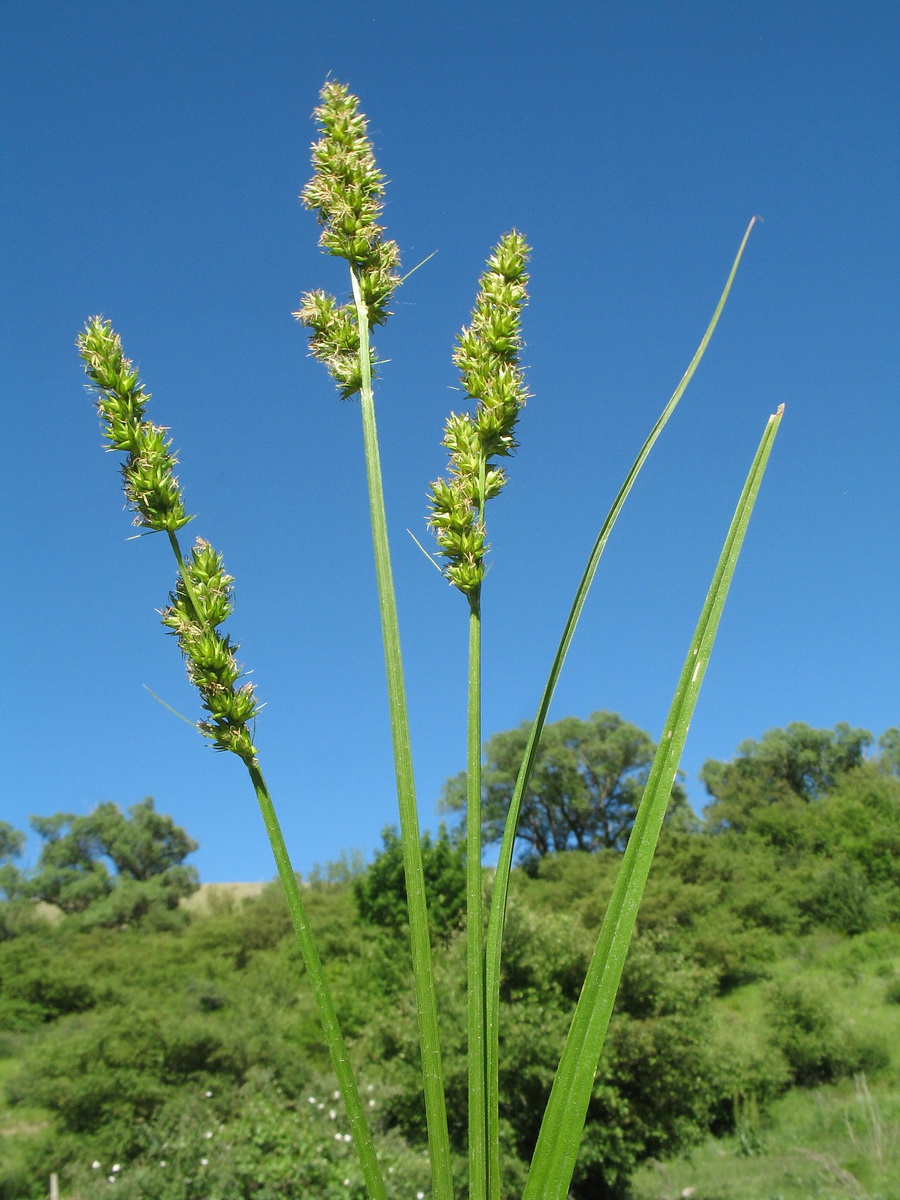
[423, 967]
[337, 1048]
[476, 1017]
[500, 893]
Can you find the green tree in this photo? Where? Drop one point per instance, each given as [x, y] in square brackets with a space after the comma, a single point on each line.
[14, 906]
[146, 848]
[889, 745]
[70, 873]
[584, 790]
[142, 844]
[12, 881]
[381, 891]
[786, 767]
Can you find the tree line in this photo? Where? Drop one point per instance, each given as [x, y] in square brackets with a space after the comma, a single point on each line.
[118, 866]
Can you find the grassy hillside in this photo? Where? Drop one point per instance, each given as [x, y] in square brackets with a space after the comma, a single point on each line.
[214, 897]
[754, 1053]
[218, 1006]
[830, 1141]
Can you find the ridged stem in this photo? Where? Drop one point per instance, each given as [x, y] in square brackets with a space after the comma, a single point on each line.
[337, 1047]
[475, 998]
[423, 967]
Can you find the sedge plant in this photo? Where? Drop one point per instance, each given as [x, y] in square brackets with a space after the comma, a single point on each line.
[346, 192]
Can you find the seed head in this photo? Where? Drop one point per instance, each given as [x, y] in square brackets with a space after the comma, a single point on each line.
[147, 474]
[487, 354]
[202, 598]
[346, 191]
[193, 614]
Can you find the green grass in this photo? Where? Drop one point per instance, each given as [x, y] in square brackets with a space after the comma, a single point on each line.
[21, 1120]
[831, 1142]
[214, 897]
[19, 1126]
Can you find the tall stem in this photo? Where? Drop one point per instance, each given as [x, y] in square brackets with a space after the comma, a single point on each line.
[475, 1010]
[334, 1038]
[423, 967]
[337, 1047]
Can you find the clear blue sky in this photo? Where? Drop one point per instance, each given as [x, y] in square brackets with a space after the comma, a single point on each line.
[153, 154]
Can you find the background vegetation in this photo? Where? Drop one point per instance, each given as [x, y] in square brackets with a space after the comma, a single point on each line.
[173, 1051]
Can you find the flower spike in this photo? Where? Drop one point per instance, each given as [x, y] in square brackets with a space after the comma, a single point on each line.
[487, 353]
[201, 601]
[147, 474]
[346, 190]
[202, 598]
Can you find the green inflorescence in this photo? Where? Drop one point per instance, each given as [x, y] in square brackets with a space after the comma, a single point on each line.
[147, 474]
[195, 609]
[487, 353]
[346, 191]
[202, 599]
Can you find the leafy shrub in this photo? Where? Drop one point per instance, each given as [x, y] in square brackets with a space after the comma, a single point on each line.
[259, 923]
[254, 1143]
[37, 985]
[842, 898]
[737, 955]
[658, 1080]
[381, 891]
[818, 1045]
[104, 1076]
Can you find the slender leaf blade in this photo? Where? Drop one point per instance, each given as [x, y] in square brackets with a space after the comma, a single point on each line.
[561, 1129]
